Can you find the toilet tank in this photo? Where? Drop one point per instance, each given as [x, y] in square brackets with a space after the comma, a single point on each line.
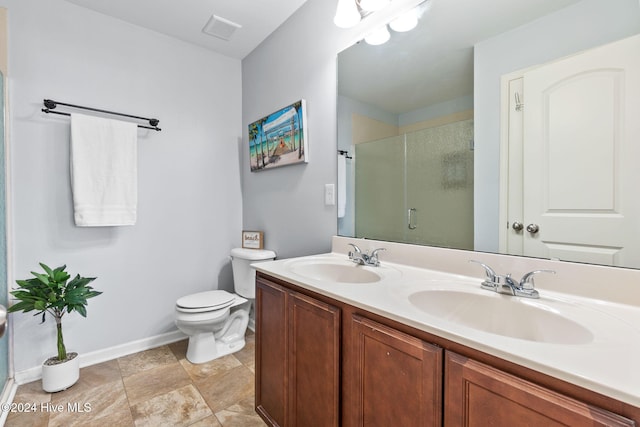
[244, 277]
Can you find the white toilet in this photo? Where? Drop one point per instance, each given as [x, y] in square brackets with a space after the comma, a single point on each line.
[216, 321]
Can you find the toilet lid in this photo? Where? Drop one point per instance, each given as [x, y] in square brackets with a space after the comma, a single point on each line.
[253, 254]
[204, 301]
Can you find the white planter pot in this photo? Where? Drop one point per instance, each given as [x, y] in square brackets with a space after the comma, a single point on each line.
[60, 376]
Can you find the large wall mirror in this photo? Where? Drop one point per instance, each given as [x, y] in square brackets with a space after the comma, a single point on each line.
[435, 129]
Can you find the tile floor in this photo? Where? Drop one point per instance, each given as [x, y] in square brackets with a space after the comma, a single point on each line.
[157, 387]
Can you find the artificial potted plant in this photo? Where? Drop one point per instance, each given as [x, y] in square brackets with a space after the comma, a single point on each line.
[53, 293]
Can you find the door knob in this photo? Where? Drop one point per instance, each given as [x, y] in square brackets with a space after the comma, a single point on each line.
[533, 228]
[517, 226]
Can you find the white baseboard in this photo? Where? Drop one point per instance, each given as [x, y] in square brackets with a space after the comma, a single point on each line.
[106, 354]
[8, 393]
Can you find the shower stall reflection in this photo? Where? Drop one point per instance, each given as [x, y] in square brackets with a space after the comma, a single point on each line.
[417, 187]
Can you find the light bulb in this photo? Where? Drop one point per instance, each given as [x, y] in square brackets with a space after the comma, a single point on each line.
[347, 14]
[379, 36]
[405, 22]
[373, 5]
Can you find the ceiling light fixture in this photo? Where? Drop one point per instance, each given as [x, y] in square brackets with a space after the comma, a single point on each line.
[347, 14]
[373, 5]
[379, 36]
[405, 22]
[399, 17]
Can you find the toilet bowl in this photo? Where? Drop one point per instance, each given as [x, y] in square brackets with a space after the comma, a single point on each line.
[216, 321]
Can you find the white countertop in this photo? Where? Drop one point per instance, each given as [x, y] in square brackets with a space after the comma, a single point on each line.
[609, 363]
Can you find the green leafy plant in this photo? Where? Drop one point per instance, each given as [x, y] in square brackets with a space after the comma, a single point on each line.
[53, 293]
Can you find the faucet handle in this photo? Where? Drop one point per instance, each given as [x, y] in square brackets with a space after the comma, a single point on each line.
[373, 258]
[355, 248]
[374, 253]
[491, 274]
[527, 280]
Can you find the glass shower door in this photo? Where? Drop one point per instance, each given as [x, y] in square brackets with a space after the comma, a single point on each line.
[379, 194]
[417, 187]
[440, 185]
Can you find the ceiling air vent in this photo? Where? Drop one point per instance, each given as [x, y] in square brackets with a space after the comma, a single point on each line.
[220, 27]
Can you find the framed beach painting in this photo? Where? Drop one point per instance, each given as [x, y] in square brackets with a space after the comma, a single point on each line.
[279, 139]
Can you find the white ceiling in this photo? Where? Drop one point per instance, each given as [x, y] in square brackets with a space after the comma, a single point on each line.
[184, 19]
[439, 50]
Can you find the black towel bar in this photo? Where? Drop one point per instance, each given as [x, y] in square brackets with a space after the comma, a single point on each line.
[345, 153]
[50, 105]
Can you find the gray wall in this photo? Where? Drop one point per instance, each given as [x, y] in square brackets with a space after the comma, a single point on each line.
[582, 26]
[189, 210]
[297, 61]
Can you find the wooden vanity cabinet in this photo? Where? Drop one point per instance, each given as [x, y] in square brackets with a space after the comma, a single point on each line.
[477, 394]
[314, 369]
[297, 358]
[397, 378]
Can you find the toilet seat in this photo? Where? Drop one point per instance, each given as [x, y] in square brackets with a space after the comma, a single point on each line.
[205, 301]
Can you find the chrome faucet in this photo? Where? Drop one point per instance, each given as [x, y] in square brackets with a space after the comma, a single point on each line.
[361, 258]
[507, 285]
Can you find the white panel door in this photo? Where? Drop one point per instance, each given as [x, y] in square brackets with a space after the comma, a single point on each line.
[512, 235]
[582, 157]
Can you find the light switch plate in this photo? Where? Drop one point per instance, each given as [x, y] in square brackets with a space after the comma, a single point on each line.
[329, 194]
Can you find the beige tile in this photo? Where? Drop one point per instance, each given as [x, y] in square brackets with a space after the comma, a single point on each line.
[149, 359]
[247, 356]
[121, 418]
[153, 382]
[241, 414]
[179, 348]
[90, 377]
[32, 392]
[85, 406]
[245, 406]
[214, 367]
[211, 421]
[28, 410]
[161, 386]
[226, 388]
[31, 417]
[233, 419]
[181, 407]
[100, 373]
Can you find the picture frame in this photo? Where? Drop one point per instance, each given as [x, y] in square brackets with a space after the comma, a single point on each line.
[252, 239]
[280, 138]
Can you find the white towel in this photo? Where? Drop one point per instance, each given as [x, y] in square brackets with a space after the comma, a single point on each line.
[104, 171]
[342, 185]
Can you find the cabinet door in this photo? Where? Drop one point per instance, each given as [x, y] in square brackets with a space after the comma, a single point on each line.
[479, 395]
[314, 368]
[271, 352]
[399, 377]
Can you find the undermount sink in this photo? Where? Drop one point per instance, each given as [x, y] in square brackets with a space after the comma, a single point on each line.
[502, 315]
